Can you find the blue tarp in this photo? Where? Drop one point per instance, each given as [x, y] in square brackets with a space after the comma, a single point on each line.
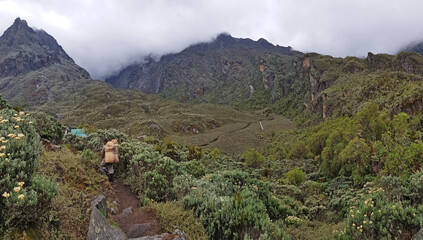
[78, 132]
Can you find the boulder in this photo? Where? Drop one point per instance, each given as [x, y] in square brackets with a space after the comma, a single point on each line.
[176, 235]
[138, 230]
[127, 211]
[418, 235]
[99, 226]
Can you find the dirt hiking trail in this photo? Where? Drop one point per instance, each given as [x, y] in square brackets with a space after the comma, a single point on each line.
[135, 222]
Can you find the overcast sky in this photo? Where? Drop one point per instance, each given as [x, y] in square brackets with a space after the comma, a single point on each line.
[105, 35]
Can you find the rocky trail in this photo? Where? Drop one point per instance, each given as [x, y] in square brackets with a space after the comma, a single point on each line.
[134, 222]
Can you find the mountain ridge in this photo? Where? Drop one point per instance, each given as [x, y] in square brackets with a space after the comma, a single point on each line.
[258, 75]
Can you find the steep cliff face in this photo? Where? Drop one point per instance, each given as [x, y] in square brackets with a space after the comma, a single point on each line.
[34, 68]
[218, 71]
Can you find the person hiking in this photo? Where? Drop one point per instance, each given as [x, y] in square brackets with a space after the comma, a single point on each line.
[109, 154]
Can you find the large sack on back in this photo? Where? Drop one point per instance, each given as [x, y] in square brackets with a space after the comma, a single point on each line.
[109, 156]
[116, 155]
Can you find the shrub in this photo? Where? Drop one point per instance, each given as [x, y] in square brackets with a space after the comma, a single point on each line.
[299, 151]
[252, 158]
[48, 127]
[195, 168]
[173, 216]
[195, 153]
[3, 103]
[25, 196]
[355, 159]
[232, 204]
[152, 174]
[88, 128]
[127, 150]
[295, 177]
[376, 218]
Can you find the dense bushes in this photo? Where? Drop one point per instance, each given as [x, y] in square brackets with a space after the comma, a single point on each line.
[173, 216]
[25, 195]
[252, 158]
[374, 217]
[232, 204]
[295, 176]
[48, 127]
[366, 145]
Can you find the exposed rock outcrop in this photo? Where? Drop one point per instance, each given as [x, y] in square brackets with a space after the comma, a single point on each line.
[99, 226]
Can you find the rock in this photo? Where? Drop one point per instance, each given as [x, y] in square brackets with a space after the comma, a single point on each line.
[181, 235]
[142, 137]
[49, 146]
[138, 230]
[154, 126]
[177, 235]
[418, 235]
[99, 226]
[126, 211]
[112, 210]
[157, 237]
[251, 92]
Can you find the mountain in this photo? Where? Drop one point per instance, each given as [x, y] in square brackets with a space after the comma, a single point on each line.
[258, 75]
[34, 68]
[415, 47]
[223, 69]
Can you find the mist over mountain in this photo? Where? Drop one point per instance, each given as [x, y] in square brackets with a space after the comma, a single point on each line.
[206, 61]
[105, 38]
[416, 47]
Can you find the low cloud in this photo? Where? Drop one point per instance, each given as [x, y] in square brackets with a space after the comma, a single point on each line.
[104, 36]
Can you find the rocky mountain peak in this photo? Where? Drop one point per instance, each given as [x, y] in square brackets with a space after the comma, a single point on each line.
[20, 34]
[224, 37]
[34, 68]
